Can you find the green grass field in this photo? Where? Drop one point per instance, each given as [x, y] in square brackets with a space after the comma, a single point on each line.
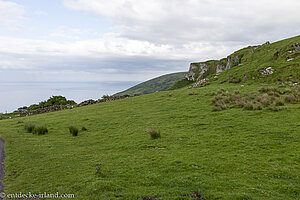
[233, 154]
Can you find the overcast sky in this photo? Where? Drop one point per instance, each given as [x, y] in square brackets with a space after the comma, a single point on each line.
[101, 40]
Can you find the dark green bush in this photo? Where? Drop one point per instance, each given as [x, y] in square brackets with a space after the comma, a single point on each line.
[29, 127]
[54, 100]
[83, 128]
[105, 96]
[73, 130]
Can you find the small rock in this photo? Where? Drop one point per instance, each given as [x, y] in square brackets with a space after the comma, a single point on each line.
[296, 46]
[267, 71]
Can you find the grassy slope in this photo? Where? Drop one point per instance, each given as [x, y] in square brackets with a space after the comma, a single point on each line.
[262, 57]
[161, 83]
[231, 154]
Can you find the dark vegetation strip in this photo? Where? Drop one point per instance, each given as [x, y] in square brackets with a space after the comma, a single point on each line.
[270, 98]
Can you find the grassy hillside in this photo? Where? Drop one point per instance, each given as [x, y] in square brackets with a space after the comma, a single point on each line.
[248, 65]
[228, 140]
[161, 83]
[231, 154]
[280, 56]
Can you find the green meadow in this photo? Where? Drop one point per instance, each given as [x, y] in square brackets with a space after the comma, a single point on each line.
[232, 154]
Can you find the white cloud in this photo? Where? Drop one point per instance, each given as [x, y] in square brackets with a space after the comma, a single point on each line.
[154, 37]
[10, 12]
[41, 13]
[66, 33]
[110, 58]
[109, 48]
[178, 21]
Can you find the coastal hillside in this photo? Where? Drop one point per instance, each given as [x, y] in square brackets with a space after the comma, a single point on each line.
[233, 137]
[161, 83]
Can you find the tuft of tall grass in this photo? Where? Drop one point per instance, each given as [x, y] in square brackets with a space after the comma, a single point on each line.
[154, 134]
[40, 130]
[73, 130]
[269, 98]
[217, 108]
[263, 90]
[290, 98]
[248, 106]
[237, 91]
[287, 91]
[279, 102]
[29, 127]
[99, 170]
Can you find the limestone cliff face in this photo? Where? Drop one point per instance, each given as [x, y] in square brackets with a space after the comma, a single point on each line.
[261, 62]
[196, 71]
[201, 70]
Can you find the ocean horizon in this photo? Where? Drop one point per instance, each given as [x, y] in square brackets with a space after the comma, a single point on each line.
[18, 94]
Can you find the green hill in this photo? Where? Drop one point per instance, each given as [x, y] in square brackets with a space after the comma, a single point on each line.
[229, 140]
[161, 83]
[268, 63]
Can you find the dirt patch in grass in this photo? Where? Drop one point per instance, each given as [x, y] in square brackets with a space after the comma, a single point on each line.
[195, 195]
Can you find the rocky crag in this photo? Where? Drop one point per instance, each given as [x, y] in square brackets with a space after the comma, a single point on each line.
[200, 70]
[256, 61]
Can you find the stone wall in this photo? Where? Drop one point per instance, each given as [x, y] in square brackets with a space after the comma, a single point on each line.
[62, 107]
[45, 110]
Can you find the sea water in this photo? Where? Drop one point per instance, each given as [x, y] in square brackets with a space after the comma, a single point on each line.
[18, 94]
